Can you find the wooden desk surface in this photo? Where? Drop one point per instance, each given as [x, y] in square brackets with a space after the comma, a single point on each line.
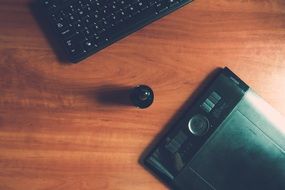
[56, 133]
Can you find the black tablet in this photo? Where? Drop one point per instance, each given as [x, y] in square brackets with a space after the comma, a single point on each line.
[230, 139]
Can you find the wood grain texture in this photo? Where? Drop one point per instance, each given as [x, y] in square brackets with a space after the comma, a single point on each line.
[56, 134]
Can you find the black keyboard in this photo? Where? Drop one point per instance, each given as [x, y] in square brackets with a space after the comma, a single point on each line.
[87, 26]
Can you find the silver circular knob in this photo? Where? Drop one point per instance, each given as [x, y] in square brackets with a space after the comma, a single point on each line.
[198, 125]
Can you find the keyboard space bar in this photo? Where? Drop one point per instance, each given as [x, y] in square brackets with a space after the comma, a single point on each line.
[137, 21]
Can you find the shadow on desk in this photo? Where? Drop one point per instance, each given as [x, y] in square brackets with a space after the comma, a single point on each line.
[113, 95]
[175, 119]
